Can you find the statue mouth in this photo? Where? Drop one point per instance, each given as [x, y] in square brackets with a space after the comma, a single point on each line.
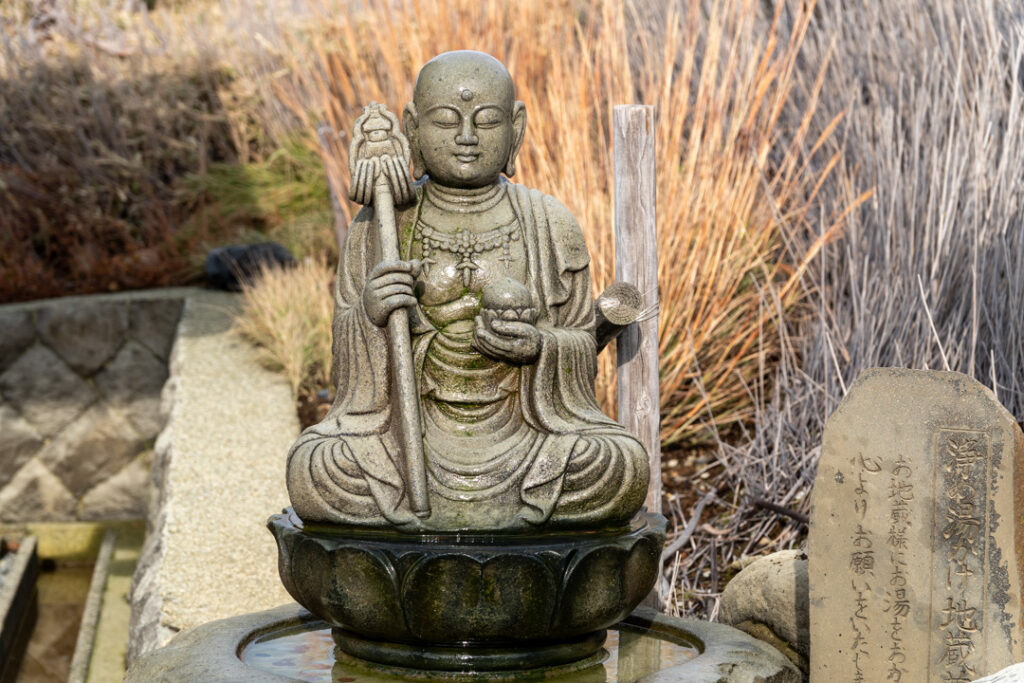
[467, 158]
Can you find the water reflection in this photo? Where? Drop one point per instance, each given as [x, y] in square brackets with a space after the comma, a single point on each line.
[306, 653]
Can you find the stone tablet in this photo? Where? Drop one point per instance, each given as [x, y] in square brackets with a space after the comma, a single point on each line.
[917, 537]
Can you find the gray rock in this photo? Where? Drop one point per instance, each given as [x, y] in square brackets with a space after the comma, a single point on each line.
[45, 390]
[92, 448]
[132, 383]
[86, 334]
[35, 495]
[19, 441]
[17, 332]
[768, 600]
[154, 324]
[123, 496]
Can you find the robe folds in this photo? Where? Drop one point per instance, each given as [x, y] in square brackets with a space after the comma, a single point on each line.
[546, 457]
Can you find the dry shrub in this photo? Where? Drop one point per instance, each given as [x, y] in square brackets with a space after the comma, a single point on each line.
[287, 314]
[103, 113]
[928, 272]
[91, 146]
[728, 180]
[929, 276]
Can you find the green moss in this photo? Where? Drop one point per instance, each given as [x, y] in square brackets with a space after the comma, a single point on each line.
[283, 198]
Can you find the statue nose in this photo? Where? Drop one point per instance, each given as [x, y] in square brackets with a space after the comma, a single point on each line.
[466, 136]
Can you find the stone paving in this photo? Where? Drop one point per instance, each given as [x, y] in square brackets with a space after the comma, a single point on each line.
[219, 472]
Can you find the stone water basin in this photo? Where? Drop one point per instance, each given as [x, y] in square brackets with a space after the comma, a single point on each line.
[289, 644]
[306, 653]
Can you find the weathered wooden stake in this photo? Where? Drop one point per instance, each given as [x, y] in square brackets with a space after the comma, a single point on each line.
[636, 262]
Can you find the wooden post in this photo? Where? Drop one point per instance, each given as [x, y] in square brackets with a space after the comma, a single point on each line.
[636, 262]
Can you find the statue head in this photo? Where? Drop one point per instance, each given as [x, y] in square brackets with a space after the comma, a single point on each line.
[464, 124]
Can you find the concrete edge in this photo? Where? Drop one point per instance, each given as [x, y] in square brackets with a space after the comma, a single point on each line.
[204, 313]
[146, 600]
[210, 652]
[23, 560]
[91, 612]
[728, 654]
[159, 294]
[18, 606]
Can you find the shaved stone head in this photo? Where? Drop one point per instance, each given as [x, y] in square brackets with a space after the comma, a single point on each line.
[466, 75]
[464, 124]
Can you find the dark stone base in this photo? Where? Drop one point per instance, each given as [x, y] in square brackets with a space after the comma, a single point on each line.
[465, 601]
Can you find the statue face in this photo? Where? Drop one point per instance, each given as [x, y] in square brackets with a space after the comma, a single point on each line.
[464, 121]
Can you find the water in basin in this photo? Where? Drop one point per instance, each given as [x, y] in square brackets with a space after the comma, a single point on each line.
[306, 653]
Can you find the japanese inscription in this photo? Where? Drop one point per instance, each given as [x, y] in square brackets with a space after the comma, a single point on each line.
[897, 605]
[961, 474]
[914, 548]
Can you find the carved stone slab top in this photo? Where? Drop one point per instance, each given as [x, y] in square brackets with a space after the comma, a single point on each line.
[917, 538]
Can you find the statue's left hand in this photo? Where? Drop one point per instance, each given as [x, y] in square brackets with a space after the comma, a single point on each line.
[507, 341]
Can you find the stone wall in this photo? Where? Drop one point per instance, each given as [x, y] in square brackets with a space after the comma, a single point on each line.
[80, 383]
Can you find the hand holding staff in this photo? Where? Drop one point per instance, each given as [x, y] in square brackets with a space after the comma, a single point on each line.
[379, 165]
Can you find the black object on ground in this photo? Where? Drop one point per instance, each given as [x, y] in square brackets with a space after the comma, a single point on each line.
[228, 267]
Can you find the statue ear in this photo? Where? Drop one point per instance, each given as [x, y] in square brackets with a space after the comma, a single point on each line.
[518, 132]
[410, 128]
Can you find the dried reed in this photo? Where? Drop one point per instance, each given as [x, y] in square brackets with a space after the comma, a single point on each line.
[728, 180]
[287, 314]
[927, 275]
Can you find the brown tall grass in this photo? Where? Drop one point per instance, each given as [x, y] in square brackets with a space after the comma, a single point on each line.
[287, 314]
[111, 113]
[728, 180]
[927, 274]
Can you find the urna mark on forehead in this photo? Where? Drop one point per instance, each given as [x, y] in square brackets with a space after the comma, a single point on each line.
[464, 75]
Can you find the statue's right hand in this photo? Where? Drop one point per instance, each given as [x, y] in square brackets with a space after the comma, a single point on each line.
[389, 287]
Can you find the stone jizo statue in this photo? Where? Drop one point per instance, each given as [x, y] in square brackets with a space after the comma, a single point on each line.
[495, 281]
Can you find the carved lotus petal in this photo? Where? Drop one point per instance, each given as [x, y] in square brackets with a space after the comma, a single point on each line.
[605, 584]
[442, 590]
[454, 598]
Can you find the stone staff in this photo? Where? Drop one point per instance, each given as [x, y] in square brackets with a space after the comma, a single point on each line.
[379, 166]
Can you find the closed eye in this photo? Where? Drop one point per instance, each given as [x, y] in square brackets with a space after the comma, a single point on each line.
[443, 117]
[489, 117]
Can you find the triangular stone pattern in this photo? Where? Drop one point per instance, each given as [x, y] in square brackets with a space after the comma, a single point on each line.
[80, 384]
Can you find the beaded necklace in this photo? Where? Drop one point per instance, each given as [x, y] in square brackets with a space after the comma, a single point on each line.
[466, 245]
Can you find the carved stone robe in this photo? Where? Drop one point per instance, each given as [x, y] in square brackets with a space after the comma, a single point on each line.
[550, 458]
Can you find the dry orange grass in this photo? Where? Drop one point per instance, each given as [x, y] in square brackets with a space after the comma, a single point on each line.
[96, 194]
[728, 182]
[287, 314]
